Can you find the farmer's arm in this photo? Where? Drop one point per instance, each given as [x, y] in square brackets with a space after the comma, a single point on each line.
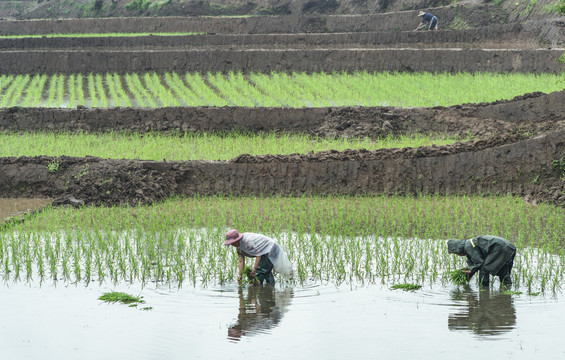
[257, 261]
[240, 265]
[474, 260]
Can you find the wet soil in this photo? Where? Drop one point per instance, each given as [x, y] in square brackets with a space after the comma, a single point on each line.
[507, 158]
[500, 165]
[15, 208]
[531, 114]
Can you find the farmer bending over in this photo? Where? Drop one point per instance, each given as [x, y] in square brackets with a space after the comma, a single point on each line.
[488, 255]
[427, 18]
[267, 253]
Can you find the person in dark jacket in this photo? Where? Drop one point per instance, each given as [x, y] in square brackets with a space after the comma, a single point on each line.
[487, 255]
[427, 18]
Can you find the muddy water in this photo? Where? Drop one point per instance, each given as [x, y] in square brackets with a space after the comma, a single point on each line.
[317, 322]
[16, 207]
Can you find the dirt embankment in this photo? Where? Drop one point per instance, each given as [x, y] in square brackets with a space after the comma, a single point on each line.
[506, 165]
[498, 164]
[490, 37]
[529, 114]
[436, 60]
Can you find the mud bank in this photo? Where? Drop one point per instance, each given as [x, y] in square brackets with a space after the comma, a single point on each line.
[475, 16]
[431, 60]
[505, 165]
[494, 37]
[533, 113]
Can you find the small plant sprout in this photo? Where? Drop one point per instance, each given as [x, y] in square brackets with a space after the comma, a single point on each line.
[53, 166]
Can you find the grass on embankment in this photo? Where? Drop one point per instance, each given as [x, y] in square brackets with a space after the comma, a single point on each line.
[190, 146]
[363, 239]
[295, 90]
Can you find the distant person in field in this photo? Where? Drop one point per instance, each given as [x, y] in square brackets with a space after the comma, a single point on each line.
[488, 255]
[427, 18]
[268, 255]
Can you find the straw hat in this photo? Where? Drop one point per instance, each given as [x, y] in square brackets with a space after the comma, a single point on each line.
[232, 236]
[421, 13]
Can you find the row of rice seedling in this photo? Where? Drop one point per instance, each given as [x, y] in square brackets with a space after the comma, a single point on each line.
[365, 239]
[194, 146]
[276, 89]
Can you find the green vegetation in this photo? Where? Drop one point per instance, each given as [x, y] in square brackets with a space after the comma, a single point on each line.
[457, 277]
[560, 7]
[558, 166]
[363, 239]
[247, 278]
[192, 146]
[406, 287]
[294, 90]
[121, 297]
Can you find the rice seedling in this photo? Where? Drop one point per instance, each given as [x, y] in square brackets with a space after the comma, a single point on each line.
[247, 278]
[406, 287]
[297, 89]
[193, 146]
[34, 91]
[457, 277]
[365, 240]
[116, 296]
[13, 92]
[100, 92]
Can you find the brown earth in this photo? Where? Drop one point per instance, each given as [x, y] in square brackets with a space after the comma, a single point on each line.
[503, 165]
[529, 114]
[498, 164]
[521, 143]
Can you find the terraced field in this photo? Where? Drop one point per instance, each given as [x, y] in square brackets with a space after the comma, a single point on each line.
[358, 144]
[147, 72]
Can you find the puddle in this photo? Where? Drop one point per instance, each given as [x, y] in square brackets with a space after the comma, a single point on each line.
[317, 321]
[17, 207]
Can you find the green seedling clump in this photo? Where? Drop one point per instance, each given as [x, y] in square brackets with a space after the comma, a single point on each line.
[121, 297]
[457, 277]
[406, 287]
[248, 279]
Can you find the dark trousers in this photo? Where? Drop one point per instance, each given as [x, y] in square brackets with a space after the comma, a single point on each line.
[503, 274]
[264, 271]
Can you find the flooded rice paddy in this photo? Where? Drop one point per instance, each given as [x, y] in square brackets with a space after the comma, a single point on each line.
[309, 321]
[340, 305]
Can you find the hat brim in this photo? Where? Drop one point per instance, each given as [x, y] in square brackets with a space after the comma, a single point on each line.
[231, 241]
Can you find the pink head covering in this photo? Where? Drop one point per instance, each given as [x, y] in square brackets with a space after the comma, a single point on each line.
[232, 236]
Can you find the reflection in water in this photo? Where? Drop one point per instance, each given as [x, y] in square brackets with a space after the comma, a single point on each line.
[262, 310]
[487, 312]
[17, 207]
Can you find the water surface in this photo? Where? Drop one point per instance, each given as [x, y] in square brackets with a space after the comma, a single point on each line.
[285, 322]
[17, 207]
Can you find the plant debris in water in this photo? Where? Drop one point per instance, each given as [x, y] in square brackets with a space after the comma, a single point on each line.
[406, 287]
[457, 277]
[121, 297]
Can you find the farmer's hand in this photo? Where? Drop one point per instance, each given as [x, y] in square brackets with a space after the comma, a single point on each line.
[467, 272]
[239, 280]
[252, 272]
